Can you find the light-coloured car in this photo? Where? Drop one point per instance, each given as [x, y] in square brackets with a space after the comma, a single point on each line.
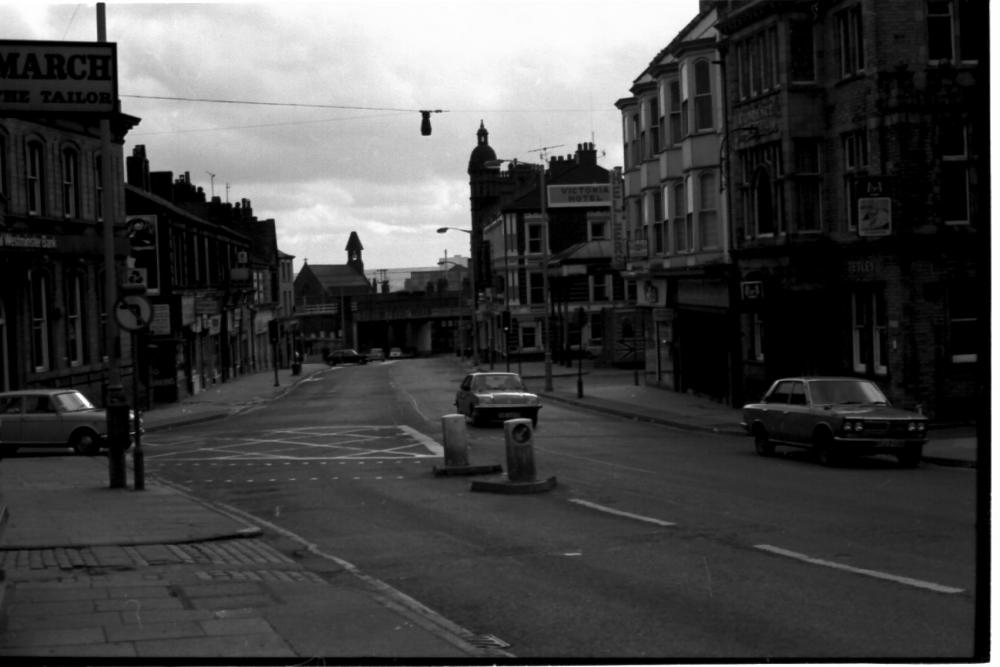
[491, 396]
[53, 418]
[376, 354]
[395, 353]
[835, 417]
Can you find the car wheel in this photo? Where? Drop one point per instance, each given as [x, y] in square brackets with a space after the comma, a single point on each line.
[85, 442]
[761, 443]
[910, 457]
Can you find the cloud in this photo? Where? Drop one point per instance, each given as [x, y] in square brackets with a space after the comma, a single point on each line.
[537, 73]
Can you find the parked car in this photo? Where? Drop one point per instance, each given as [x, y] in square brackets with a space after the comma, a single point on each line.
[376, 354]
[346, 356]
[395, 353]
[491, 396]
[835, 417]
[54, 418]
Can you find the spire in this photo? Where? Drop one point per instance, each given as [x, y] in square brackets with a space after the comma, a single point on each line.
[482, 152]
[354, 249]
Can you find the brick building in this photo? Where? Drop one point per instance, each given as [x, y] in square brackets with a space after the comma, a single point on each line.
[53, 306]
[858, 163]
[806, 193]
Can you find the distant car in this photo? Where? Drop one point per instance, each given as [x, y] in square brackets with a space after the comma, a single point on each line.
[835, 417]
[491, 396]
[376, 354]
[54, 418]
[395, 353]
[346, 356]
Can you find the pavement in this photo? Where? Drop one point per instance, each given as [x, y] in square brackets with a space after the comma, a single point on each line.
[121, 573]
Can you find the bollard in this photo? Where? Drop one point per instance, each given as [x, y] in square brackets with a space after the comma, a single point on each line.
[456, 450]
[520, 444]
[455, 440]
[118, 428]
[520, 450]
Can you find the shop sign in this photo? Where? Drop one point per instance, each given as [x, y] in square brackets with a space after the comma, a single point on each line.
[58, 77]
[142, 238]
[579, 195]
[27, 241]
[752, 290]
[618, 233]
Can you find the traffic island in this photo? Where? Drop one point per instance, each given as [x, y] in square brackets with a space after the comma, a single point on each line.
[456, 451]
[520, 478]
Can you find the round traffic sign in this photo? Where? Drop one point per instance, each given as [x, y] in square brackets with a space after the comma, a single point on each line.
[133, 312]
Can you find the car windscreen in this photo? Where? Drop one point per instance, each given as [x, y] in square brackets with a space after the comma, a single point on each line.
[501, 383]
[833, 392]
[72, 401]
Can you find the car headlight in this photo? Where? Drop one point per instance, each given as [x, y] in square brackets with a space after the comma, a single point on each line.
[916, 427]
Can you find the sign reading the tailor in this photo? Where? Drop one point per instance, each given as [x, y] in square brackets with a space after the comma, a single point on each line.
[58, 77]
[579, 194]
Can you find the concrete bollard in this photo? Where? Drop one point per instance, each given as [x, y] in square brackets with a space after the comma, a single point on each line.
[456, 450]
[520, 478]
[456, 441]
[520, 445]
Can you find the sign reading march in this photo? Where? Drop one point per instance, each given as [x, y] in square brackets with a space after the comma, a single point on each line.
[58, 77]
[142, 241]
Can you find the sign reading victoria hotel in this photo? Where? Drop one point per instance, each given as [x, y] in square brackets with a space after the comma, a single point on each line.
[58, 77]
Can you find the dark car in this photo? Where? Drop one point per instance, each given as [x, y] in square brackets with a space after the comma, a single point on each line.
[346, 356]
[53, 418]
[486, 396]
[835, 417]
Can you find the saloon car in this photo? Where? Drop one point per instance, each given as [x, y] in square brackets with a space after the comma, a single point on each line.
[835, 417]
[53, 418]
[346, 356]
[490, 396]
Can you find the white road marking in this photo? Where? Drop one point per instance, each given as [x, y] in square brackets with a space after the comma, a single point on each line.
[627, 515]
[906, 581]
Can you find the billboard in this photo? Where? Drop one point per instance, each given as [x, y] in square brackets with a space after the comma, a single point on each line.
[58, 77]
[579, 195]
[144, 266]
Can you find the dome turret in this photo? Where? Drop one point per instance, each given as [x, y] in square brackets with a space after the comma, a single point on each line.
[482, 152]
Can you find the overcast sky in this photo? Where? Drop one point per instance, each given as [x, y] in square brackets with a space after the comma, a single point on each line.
[536, 73]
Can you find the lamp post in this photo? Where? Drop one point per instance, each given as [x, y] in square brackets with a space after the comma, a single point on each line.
[472, 284]
[547, 298]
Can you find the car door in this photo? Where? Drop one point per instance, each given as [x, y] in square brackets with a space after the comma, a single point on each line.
[776, 410]
[799, 419]
[39, 421]
[10, 419]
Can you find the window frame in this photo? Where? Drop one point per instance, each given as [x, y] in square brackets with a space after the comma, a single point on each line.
[850, 42]
[70, 158]
[34, 174]
[75, 330]
[39, 300]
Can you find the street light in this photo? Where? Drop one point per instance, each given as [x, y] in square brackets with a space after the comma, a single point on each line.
[472, 284]
[543, 196]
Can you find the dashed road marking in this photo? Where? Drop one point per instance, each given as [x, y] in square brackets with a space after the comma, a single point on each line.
[906, 581]
[628, 515]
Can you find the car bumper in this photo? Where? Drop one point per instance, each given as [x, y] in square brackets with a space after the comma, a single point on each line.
[878, 445]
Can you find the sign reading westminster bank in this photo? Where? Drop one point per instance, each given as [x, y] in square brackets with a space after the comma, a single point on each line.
[58, 77]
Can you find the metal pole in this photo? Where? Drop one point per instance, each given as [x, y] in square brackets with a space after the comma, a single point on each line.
[545, 280]
[115, 402]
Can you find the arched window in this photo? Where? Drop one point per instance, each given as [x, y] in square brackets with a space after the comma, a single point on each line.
[703, 96]
[39, 288]
[4, 143]
[35, 177]
[98, 188]
[74, 320]
[70, 183]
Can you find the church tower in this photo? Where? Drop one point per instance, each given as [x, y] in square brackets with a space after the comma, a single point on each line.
[354, 249]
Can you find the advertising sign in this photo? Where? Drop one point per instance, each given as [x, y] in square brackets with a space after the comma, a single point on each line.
[142, 239]
[58, 77]
[618, 232]
[579, 195]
